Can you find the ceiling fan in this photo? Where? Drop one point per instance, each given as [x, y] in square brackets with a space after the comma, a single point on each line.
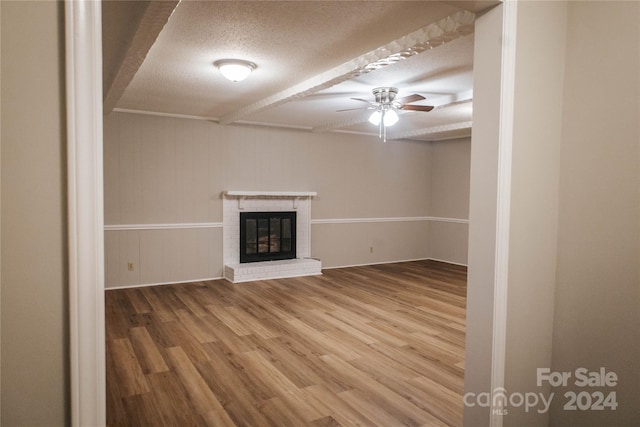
[386, 106]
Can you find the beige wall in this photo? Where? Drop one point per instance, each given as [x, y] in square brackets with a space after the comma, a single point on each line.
[34, 383]
[597, 309]
[161, 170]
[449, 171]
[449, 198]
[172, 170]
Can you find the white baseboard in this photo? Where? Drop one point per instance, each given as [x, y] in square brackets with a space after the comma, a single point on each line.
[448, 262]
[144, 285]
[373, 263]
[393, 262]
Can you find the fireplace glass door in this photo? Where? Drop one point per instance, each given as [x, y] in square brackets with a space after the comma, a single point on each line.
[267, 236]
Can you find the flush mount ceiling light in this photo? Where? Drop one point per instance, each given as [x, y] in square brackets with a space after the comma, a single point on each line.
[235, 70]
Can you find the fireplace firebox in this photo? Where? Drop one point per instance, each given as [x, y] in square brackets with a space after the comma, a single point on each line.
[267, 236]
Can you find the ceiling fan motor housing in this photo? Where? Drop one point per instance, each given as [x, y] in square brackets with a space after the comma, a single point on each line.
[385, 95]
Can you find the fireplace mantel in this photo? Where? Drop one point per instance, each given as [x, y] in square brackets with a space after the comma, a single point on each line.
[288, 195]
[279, 194]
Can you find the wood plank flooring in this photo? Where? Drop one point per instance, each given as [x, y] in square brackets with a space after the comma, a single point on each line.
[361, 346]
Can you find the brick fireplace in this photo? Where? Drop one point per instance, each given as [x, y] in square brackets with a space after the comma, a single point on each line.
[253, 202]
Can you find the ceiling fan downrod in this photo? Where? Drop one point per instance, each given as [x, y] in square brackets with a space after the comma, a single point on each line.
[384, 97]
[383, 128]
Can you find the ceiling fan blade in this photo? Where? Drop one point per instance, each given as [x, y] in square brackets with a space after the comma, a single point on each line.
[352, 109]
[410, 98]
[362, 100]
[417, 107]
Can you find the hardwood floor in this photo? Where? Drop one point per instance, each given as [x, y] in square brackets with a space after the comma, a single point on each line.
[373, 346]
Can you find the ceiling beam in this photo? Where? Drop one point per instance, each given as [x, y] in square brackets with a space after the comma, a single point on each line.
[452, 99]
[156, 15]
[438, 33]
[432, 130]
[339, 124]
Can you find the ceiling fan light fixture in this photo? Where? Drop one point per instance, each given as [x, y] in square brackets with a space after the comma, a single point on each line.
[390, 117]
[235, 70]
[375, 117]
[386, 106]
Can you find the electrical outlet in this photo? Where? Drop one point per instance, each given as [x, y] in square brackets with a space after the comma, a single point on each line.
[130, 266]
[371, 249]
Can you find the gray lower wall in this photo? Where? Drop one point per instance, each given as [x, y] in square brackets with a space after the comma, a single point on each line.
[448, 241]
[339, 245]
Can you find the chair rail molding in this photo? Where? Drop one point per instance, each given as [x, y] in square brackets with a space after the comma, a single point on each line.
[168, 226]
[388, 219]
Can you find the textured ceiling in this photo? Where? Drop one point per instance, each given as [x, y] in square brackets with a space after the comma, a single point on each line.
[302, 49]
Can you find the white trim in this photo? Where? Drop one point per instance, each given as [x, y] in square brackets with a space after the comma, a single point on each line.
[448, 262]
[272, 125]
[503, 208]
[284, 276]
[0, 237]
[145, 285]
[183, 225]
[212, 119]
[391, 219]
[212, 279]
[83, 46]
[364, 264]
[194, 225]
[394, 262]
[433, 130]
[279, 194]
[161, 114]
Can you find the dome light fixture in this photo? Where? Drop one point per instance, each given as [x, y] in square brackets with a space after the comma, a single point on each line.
[235, 70]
